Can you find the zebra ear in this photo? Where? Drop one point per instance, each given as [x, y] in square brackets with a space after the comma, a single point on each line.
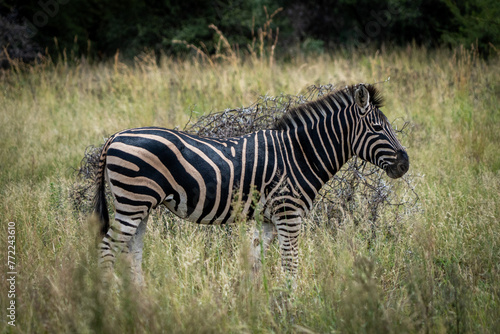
[362, 97]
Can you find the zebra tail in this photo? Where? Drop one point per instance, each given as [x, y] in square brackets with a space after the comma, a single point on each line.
[100, 203]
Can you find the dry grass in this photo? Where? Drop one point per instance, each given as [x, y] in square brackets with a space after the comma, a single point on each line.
[437, 270]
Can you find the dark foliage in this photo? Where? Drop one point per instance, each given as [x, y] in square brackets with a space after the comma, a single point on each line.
[100, 28]
[15, 42]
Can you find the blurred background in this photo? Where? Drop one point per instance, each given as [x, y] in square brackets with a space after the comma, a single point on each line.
[98, 29]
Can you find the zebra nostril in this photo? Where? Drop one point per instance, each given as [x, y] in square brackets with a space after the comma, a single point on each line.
[403, 167]
[402, 155]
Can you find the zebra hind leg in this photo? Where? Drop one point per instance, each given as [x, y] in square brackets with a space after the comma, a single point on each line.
[118, 239]
[135, 248]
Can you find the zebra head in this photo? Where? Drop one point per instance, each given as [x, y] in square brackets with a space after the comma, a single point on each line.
[374, 139]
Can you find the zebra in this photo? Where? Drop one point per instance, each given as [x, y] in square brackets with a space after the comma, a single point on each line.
[214, 181]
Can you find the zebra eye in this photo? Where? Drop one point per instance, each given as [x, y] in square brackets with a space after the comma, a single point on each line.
[377, 127]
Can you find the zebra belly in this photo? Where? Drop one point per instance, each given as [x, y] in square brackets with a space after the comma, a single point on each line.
[195, 217]
[228, 218]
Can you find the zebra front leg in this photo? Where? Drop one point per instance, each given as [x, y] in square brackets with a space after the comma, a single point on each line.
[262, 238]
[288, 232]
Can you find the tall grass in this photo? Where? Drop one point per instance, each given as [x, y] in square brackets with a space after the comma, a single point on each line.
[437, 271]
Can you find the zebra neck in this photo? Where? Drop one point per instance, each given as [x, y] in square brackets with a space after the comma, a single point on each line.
[320, 145]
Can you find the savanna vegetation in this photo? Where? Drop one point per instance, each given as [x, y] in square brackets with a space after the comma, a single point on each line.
[431, 265]
[435, 269]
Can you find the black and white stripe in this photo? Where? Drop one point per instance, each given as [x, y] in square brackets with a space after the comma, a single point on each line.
[210, 181]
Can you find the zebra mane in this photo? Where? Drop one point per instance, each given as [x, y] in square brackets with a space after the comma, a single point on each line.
[338, 97]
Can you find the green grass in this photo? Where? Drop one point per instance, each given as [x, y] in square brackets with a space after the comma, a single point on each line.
[436, 271]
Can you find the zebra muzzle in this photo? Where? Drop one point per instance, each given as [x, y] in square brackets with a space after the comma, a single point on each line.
[400, 165]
